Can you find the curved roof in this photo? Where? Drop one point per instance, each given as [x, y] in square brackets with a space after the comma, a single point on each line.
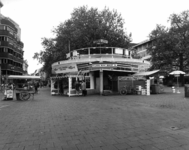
[147, 73]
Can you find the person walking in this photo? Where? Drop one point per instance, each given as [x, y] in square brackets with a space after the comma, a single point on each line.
[83, 88]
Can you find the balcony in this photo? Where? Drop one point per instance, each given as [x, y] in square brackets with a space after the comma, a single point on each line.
[21, 44]
[97, 52]
[5, 43]
[7, 33]
[9, 56]
[11, 67]
[6, 21]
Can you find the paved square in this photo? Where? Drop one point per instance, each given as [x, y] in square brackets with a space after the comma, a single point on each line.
[131, 122]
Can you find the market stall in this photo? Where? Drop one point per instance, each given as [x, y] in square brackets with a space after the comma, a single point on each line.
[132, 85]
[153, 81]
[21, 86]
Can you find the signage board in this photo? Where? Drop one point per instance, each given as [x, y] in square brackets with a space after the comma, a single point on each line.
[104, 65]
[101, 41]
[64, 68]
[9, 93]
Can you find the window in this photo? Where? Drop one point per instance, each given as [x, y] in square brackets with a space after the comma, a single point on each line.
[83, 51]
[2, 38]
[10, 41]
[106, 51]
[118, 51]
[4, 61]
[95, 51]
[11, 31]
[1, 49]
[2, 27]
[5, 50]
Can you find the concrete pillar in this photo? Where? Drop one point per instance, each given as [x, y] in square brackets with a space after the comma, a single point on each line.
[52, 84]
[101, 82]
[91, 74]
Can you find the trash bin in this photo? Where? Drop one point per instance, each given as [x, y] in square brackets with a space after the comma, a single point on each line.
[153, 89]
[186, 89]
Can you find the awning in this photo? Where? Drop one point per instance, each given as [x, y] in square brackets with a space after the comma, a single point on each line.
[147, 73]
[23, 77]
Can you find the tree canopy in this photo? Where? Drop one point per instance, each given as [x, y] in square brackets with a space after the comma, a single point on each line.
[170, 47]
[84, 27]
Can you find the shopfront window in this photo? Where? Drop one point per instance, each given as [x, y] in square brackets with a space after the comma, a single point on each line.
[83, 52]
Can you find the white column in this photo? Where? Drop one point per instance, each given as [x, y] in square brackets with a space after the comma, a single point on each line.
[69, 86]
[91, 74]
[101, 82]
[148, 87]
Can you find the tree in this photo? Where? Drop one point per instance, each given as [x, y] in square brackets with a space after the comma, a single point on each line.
[25, 66]
[85, 26]
[170, 47]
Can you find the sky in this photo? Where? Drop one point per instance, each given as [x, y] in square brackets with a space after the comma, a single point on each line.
[37, 18]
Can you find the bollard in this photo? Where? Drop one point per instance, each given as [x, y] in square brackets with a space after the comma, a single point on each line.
[173, 89]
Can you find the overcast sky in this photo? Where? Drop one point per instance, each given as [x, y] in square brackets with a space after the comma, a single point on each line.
[37, 18]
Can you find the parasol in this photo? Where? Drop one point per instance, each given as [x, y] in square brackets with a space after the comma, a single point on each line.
[176, 74]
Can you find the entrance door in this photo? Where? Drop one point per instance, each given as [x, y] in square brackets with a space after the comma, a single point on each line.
[115, 85]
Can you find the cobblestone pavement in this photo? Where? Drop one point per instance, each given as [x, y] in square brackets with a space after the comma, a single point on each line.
[132, 122]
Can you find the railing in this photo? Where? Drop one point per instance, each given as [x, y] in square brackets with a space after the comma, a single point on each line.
[11, 67]
[100, 51]
[10, 56]
[12, 46]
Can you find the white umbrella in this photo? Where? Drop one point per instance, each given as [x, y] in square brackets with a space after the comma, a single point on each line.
[177, 73]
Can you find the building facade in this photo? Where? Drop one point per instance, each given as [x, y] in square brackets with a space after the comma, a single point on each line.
[100, 67]
[11, 47]
[140, 50]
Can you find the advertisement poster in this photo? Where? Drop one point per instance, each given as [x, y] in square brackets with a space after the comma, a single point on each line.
[64, 68]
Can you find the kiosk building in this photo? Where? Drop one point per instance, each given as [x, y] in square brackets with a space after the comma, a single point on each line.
[99, 67]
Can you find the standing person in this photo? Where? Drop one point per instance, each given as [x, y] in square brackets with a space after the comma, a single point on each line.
[36, 87]
[77, 87]
[83, 88]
